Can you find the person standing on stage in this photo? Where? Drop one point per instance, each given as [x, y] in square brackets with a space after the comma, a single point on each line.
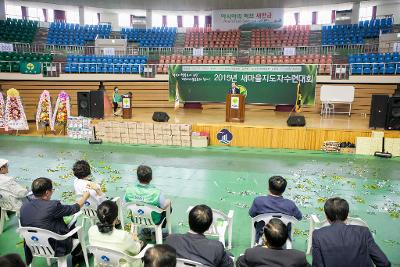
[116, 99]
[234, 89]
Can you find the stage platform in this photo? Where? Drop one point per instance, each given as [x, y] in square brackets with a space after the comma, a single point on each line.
[261, 129]
[267, 128]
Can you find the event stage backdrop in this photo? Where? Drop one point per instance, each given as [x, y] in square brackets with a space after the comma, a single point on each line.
[263, 84]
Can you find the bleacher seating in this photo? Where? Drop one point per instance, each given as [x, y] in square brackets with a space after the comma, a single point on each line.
[297, 35]
[61, 33]
[155, 37]
[205, 37]
[381, 63]
[324, 61]
[10, 61]
[104, 64]
[18, 30]
[355, 33]
[181, 59]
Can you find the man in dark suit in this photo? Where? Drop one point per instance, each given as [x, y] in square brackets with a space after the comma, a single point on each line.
[272, 252]
[195, 246]
[344, 245]
[42, 212]
[234, 89]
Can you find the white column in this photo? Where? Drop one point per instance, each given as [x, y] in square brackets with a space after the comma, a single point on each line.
[355, 13]
[149, 18]
[2, 9]
[81, 15]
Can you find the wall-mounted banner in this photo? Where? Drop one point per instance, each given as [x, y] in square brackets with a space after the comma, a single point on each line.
[263, 84]
[5, 47]
[247, 19]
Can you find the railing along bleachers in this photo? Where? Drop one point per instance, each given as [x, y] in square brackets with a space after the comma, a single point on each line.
[155, 37]
[205, 37]
[375, 64]
[182, 59]
[292, 36]
[355, 33]
[10, 61]
[323, 61]
[104, 64]
[61, 33]
[18, 30]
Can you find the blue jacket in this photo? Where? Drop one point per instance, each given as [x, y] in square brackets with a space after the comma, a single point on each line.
[272, 204]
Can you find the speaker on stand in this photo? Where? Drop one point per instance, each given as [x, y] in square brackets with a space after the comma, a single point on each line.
[393, 114]
[379, 104]
[84, 104]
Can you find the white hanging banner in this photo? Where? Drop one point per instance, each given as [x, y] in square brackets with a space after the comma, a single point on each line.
[4, 47]
[289, 51]
[109, 51]
[198, 52]
[396, 47]
[247, 19]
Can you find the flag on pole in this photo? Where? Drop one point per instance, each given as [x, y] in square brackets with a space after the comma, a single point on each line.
[177, 100]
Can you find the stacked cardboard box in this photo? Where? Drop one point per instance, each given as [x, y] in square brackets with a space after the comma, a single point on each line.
[200, 139]
[145, 133]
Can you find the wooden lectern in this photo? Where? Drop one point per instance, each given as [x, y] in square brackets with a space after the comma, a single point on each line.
[235, 104]
[127, 106]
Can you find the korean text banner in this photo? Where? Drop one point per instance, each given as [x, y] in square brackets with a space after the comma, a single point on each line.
[264, 84]
[247, 19]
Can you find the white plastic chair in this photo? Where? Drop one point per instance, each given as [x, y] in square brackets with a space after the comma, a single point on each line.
[184, 263]
[221, 223]
[286, 219]
[141, 217]
[89, 210]
[315, 223]
[37, 240]
[106, 257]
[8, 202]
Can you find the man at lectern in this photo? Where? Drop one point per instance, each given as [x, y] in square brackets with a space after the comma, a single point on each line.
[234, 89]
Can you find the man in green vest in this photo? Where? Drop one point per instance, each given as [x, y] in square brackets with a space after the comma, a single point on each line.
[147, 193]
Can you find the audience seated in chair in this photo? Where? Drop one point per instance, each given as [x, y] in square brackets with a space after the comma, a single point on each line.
[195, 246]
[272, 253]
[83, 183]
[42, 212]
[160, 256]
[11, 260]
[8, 183]
[273, 203]
[104, 234]
[147, 193]
[344, 245]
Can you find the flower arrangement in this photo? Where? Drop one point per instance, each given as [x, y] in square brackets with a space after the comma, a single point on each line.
[1, 110]
[62, 109]
[44, 114]
[15, 118]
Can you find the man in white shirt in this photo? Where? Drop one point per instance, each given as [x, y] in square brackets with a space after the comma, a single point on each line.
[9, 185]
[83, 183]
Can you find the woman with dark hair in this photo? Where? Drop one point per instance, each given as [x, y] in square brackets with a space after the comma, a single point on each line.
[116, 100]
[104, 234]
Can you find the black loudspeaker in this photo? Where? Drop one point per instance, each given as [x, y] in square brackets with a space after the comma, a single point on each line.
[296, 121]
[393, 114]
[84, 104]
[160, 116]
[378, 112]
[97, 104]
